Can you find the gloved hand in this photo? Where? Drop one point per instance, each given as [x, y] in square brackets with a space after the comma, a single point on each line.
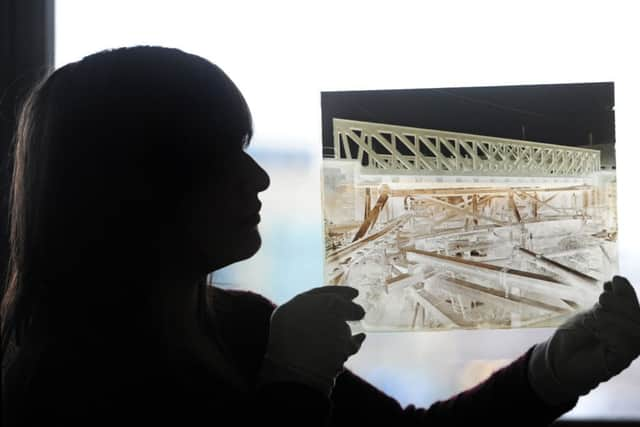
[589, 348]
[309, 339]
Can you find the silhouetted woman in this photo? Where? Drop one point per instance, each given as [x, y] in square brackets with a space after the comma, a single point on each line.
[131, 183]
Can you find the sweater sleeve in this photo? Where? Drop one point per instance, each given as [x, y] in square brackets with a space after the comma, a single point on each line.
[505, 398]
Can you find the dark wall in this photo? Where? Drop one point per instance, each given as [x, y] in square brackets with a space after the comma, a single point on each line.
[564, 114]
[26, 53]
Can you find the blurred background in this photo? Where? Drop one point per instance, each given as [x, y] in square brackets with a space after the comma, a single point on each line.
[283, 54]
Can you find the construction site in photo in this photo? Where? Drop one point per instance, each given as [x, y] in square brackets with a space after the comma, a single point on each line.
[444, 230]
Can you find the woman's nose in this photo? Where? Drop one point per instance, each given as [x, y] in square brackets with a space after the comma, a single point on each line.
[264, 181]
[261, 177]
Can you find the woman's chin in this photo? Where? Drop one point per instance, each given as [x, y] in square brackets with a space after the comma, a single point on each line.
[243, 247]
[252, 244]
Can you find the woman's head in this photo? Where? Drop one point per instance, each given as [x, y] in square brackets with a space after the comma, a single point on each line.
[131, 163]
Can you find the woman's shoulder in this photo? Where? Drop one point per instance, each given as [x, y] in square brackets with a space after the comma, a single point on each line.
[241, 316]
[242, 320]
[239, 302]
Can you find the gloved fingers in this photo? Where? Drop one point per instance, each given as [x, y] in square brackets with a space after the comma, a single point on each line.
[621, 343]
[343, 291]
[621, 287]
[608, 301]
[617, 330]
[345, 309]
[339, 308]
[347, 344]
[620, 348]
[622, 305]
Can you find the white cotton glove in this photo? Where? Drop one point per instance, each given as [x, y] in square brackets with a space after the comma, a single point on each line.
[589, 348]
[309, 338]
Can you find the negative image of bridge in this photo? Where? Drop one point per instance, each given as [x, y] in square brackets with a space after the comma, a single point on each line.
[442, 230]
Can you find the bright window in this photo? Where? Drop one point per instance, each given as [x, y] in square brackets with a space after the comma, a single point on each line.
[282, 54]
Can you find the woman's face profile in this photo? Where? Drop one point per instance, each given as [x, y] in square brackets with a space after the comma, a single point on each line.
[224, 217]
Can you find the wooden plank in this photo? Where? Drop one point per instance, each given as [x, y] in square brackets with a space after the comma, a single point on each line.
[537, 201]
[397, 278]
[339, 253]
[500, 294]
[465, 211]
[367, 202]
[514, 208]
[485, 266]
[557, 267]
[439, 310]
[371, 219]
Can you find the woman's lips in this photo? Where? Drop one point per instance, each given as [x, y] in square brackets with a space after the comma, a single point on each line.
[252, 220]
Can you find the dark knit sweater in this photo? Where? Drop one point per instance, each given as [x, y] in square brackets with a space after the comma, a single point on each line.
[135, 388]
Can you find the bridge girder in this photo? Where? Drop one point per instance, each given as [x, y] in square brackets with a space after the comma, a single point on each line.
[438, 152]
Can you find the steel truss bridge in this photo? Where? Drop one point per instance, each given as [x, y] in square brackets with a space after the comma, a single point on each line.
[382, 148]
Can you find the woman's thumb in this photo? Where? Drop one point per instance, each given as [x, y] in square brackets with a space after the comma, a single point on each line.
[357, 341]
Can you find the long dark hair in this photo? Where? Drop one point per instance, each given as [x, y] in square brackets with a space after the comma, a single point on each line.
[106, 150]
